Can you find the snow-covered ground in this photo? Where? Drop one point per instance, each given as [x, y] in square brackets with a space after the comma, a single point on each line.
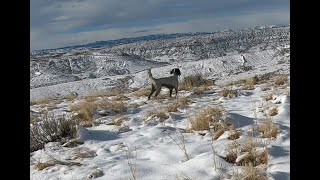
[150, 148]
[144, 146]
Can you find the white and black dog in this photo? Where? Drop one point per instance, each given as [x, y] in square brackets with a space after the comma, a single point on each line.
[170, 82]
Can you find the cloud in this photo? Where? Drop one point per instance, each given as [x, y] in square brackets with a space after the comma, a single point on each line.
[56, 23]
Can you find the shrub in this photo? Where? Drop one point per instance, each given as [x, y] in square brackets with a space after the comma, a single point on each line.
[50, 129]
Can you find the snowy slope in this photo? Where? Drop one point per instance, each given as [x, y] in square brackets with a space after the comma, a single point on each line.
[155, 155]
[146, 147]
[80, 64]
[222, 68]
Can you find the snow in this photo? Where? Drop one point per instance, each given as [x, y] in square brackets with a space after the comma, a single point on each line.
[147, 147]
[154, 154]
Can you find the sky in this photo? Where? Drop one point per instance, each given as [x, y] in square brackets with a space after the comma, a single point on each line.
[60, 23]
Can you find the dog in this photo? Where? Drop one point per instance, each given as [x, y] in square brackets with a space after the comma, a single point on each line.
[170, 82]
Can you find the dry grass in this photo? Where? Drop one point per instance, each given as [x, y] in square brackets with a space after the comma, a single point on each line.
[41, 166]
[267, 96]
[115, 106]
[273, 111]
[172, 107]
[106, 93]
[237, 82]
[143, 92]
[91, 98]
[70, 97]
[44, 100]
[118, 120]
[121, 97]
[254, 158]
[134, 105]
[250, 173]
[84, 154]
[84, 111]
[207, 117]
[196, 80]
[268, 128]
[49, 130]
[184, 101]
[229, 93]
[161, 113]
[53, 161]
[250, 82]
[281, 80]
[249, 145]
[33, 102]
[250, 156]
[217, 134]
[232, 151]
[234, 134]
[200, 90]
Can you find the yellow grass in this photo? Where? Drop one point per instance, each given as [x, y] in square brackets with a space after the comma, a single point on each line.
[70, 97]
[273, 111]
[40, 166]
[217, 134]
[229, 93]
[160, 113]
[184, 101]
[143, 92]
[116, 106]
[195, 80]
[84, 111]
[281, 80]
[268, 128]
[172, 107]
[206, 117]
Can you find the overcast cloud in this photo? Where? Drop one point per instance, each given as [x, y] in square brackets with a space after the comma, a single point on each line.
[59, 23]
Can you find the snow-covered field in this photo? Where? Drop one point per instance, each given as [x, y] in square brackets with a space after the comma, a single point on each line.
[148, 148]
[248, 136]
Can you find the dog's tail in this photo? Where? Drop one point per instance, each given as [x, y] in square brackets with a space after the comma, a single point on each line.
[150, 75]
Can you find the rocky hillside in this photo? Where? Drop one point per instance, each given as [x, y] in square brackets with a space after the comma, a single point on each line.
[231, 51]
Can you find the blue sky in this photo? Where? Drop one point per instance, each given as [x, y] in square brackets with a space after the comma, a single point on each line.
[59, 23]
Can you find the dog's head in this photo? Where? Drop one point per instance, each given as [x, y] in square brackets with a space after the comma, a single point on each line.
[175, 71]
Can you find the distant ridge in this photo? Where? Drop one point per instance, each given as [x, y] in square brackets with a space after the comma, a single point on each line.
[99, 44]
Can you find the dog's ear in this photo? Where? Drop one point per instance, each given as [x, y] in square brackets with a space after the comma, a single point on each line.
[171, 71]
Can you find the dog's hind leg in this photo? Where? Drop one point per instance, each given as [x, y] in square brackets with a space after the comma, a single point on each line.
[170, 91]
[157, 92]
[176, 89]
[153, 89]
